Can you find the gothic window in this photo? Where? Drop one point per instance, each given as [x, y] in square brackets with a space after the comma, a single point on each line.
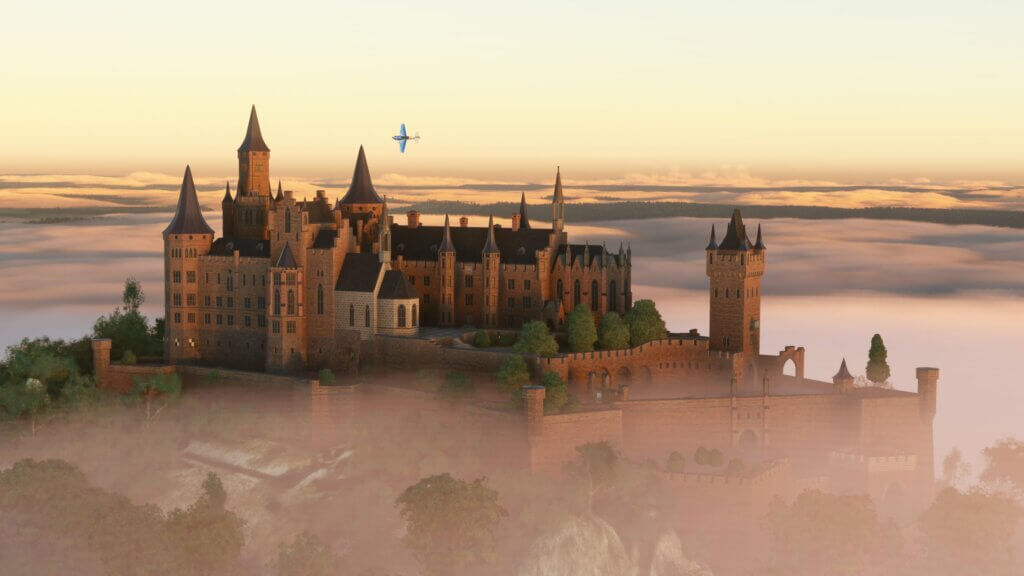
[595, 294]
[561, 290]
[277, 301]
[320, 299]
[231, 281]
[367, 322]
[414, 315]
[291, 302]
[401, 315]
[469, 281]
[287, 220]
[613, 303]
[576, 294]
[351, 315]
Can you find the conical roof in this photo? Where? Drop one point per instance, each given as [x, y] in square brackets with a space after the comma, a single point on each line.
[759, 244]
[736, 235]
[446, 242]
[558, 186]
[253, 137]
[188, 217]
[844, 372]
[524, 221]
[286, 259]
[491, 246]
[361, 191]
[280, 192]
[712, 245]
[227, 193]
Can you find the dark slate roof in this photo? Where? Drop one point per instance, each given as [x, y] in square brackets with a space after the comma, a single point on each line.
[844, 372]
[286, 259]
[188, 217]
[227, 194]
[395, 286]
[246, 248]
[524, 220]
[359, 272]
[422, 243]
[253, 137]
[280, 193]
[325, 238]
[446, 239]
[759, 244]
[712, 244]
[558, 186]
[491, 246]
[361, 191]
[736, 236]
[576, 251]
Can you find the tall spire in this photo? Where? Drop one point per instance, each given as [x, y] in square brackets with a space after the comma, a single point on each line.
[361, 191]
[736, 234]
[558, 185]
[280, 193]
[446, 242]
[759, 244]
[712, 245]
[384, 242]
[524, 221]
[558, 203]
[188, 217]
[491, 246]
[253, 137]
[844, 372]
[227, 193]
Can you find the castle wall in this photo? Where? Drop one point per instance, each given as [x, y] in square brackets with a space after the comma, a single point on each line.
[563, 433]
[232, 310]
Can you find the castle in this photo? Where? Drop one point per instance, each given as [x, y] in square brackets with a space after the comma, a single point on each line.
[301, 284]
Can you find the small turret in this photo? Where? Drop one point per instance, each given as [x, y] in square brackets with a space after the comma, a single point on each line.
[558, 204]
[712, 245]
[280, 193]
[446, 240]
[253, 161]
[524, 221]
[227, 208]
[491, 247]
[842, 382]
[188, 217]
[759, 244]
[227, 194]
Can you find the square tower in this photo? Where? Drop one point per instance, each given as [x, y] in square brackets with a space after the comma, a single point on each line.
[735, 268]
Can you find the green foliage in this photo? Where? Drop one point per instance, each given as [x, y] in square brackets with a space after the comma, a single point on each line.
[505, 339]
[535, 338]
[26, 399]
[482, 339]
[129, 358]
[715, 458]
[307, 555]
[513, 374]
[645, 323]
[207, 537]
[156, 392]
[1004, 462]
[450, 523]
[456, 385]
[132, 296]
[970, 533]
[613, 333]
[325, 376]
[126, 331]
[556, 393]
[581, 330]
[599, 462]
[823, 533]
[702, 457]
[675, 463]
[877, 369]
[736, 467]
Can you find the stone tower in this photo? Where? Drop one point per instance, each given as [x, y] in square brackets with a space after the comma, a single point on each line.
[446, 271]
[362, 205]
[227, 206]
[186, 238]
[250, 212]
[286, 350]
[735, 267]
[491, 259]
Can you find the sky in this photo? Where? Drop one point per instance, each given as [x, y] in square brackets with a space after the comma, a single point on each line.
[865, 91]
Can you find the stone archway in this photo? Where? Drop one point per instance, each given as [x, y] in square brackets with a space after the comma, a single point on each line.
[748, 440]
[789, 368]
[623, 376]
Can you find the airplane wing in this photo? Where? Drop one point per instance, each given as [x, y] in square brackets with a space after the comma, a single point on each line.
[401, 144]
[402, 131]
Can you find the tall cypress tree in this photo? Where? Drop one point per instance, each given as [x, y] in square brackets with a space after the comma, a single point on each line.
[877, 368]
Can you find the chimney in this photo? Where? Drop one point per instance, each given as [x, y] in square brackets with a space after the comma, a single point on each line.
[414, 219]
[321, 194]
[927, 389]
[101, 360]
[391, 220]
[464, 222]
[517, 219]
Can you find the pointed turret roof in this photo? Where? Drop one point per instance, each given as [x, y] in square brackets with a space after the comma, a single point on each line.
[188, 217]
[227, 193]
[280, 193]
[253, 137]
[446, 241]
[361, 191]
[558, 186]
[286, 259]
[524, 221]
[736, 235]
[491, 246]
[712, 245]
[758, 244]
[844, 372]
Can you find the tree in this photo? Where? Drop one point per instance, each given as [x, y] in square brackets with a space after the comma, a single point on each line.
[535, 338]
[132, 296]
[715, 458]
[645, 323]
[1004, 462]
[675, 463]
[736, 467]
[877, 369]
[156, 392]
[28, 398]
[613, 333]
[597, 466]
[513, 374]
[325, 376]
[581, 330]
[126, 331]
[481, 339]
[207, 537]
[450, 523]
[456, 385]
[556, 393]
[307, 555]
[823, 533]
[702, 457]
[954, 470]
[970, 533]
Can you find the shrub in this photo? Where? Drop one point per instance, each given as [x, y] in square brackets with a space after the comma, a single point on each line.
[702, 457]
[535, 338]
[715, 458]
[736, 467]
[581, 330]
[513, 374]
[129, 358]
[613, 333]
[326, 376]
[481, 339]
[645, 323]
[675, 463]
[456, 385]
[556, 393]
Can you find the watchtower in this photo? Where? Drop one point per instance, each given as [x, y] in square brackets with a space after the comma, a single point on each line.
[735, 267]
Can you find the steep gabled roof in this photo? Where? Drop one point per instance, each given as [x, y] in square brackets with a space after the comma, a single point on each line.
[188, 217]
[736, 235]
[491, 247]
[395, 286]
[361, 191]
[253, 137]
[359, 272]
[524, 221]
[424, 242]
[286, 259]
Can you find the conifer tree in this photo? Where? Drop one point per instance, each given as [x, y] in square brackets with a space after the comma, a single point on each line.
[877, 368]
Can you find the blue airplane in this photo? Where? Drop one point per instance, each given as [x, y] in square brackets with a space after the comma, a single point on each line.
[402, 138]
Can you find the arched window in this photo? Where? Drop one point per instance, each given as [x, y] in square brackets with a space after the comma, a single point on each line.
[291, 302]
[287, 220]
[414, 316]
[613, 303]
[231, 281]
[401, 315]
[561, 290]
[277, 301]
[595, 294]
[367, 316]
[576, 294]
[351, 315]
[320, 299]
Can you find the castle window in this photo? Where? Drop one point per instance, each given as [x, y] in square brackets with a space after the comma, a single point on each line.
[469, 299]
[207, 277]
[595, 295]
[190, 299]
[401, 315]
[287, 220]
[176, 275]
[261, 321]
[190, 277]
[290, 326]
[412, 279]
[511, 284]
[231, 282]
[231, 319]
[716, 292]
[511, 303]
[351, 315]
[291, 302]
[243, 279]
[191, 317]
[177, 299]
[220, 319]
[526, 303]
[526, 284]
[367, 316]
[218, 278]
[261, 302]
[275, 327]
[177, 317]
[613, 302]
[220, 301]
[206, 318]
[469, 281]
[576, 294]
[277, 301]
[415, 315]
[426, 280]
[320, 299]
[231, 301]
[248, 321]
[247, 302]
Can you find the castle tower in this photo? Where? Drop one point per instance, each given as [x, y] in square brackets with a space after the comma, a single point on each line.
[285, 342]
[735, 267]
[384, 238]
[253, 161]
[491, 259]
[362, 199]
[524, 220]
[186, 238]
[842, 382]
[227, 206]
[558, 206]
[446, 270]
